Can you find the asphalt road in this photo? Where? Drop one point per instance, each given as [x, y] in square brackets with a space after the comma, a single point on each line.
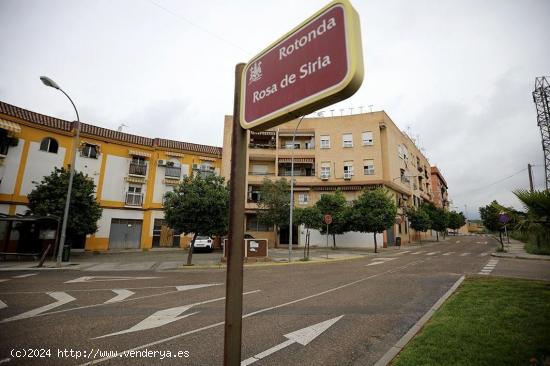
[361, 308]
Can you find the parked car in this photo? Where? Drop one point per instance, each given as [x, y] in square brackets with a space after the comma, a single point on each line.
[203, 243]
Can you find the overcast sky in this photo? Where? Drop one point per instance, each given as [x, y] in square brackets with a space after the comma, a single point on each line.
[457, 75]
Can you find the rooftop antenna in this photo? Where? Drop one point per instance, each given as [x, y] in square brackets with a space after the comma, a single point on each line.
[119, 129]
[350, 111]
[361, 109]
[332, 112]
[320, 113]
[370, 107]
[341, 112]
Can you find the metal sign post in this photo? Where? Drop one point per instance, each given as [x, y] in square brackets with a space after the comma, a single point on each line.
[234, 277]
[328, 220]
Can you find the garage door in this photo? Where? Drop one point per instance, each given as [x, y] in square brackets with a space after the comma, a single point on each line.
[125, 234]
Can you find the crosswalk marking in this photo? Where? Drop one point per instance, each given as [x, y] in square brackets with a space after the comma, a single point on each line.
[433, 253]
[4, 279]
[25, 275]
[465, 254]
[61, 297]
[3, 305]
[415, 253]
[376, 261]
[448, 253]
[488, 267]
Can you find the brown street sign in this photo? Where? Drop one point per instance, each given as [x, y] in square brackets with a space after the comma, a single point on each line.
[318, 63]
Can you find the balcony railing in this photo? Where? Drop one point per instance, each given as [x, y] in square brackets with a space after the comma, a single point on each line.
[172, 172]
[261, 173]
[297, 173]
[138, 169]
[134, 199]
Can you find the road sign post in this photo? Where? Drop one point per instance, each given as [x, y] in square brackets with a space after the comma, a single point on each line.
[328, 220]
[235, 248]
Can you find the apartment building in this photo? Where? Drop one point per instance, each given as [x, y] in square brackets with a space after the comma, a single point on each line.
[350, 153]
[131, 173]
[439, 189]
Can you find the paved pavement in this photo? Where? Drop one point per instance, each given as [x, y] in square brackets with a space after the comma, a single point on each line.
[332, 313]
[516, 249]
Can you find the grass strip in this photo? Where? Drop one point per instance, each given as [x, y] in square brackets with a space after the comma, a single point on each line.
[488, 321]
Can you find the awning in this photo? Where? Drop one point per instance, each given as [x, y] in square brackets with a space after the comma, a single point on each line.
[139, 153]
[136, 180]
[176, 154]
[303, 132]
[171, 182]
[10, 126]
[297, 160]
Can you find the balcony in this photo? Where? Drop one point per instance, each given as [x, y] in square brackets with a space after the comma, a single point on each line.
[134, 199]
[264, 174]
[138, 169]
[172, 172]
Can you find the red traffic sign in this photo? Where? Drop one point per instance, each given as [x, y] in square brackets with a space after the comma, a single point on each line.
[328, 219]
[318, 63]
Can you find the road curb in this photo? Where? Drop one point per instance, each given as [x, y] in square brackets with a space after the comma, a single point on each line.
[519, 256]
[396, 348]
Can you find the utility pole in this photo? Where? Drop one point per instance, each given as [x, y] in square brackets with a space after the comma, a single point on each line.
[530, 177]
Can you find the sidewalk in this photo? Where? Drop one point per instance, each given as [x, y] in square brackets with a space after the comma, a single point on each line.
[515, 249]
[175, 259]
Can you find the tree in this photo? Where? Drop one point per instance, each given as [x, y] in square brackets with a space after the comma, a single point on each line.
[373, 212]
[336, 206]
[490, 216]
[198, 205]
[311, 218]
[274, 203]
[537, 219]
[419, 220]
[49, 196]
[439, 218]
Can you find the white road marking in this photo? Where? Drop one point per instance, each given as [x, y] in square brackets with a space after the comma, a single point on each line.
[121, 294]
[25, 275]
[458, 241]
[483, 254]
[448, 253]
[61, 297]
[3, 305]
[4, 279]
[379, 261]
[432, 253]
[5, 360]
[193, 287]
[303, 336]
[187, 287]
[464, 254]
[214, 325]
[422, 251]
[488, 267]
[108, 278]
[406, 251]
[166, 316]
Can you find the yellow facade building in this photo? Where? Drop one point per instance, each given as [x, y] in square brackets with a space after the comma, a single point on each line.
[349, 153]
[131, 173]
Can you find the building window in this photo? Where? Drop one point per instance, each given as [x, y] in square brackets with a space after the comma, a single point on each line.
[348, 169]
[368, 167]
[303, 198]
[347, 140]
[253, 224]
[134, 196]
[325, 142]
[367, 138]
[50, 145]
[325, 170]
[254, 193]
[89, 151]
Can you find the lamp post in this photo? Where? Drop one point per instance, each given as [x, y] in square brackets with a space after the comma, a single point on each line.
[49, 82]
[292, 192]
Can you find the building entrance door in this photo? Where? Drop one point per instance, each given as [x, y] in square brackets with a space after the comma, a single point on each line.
[125, 234]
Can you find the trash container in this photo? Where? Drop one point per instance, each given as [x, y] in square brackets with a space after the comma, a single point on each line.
[66, 253]
[398, 241]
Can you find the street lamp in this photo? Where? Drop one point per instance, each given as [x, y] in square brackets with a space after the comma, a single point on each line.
[49, 82]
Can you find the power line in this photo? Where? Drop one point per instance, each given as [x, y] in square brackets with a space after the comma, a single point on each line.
[492, 184]
[178, 16]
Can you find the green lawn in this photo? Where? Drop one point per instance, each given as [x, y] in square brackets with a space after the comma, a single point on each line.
[488, 321]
